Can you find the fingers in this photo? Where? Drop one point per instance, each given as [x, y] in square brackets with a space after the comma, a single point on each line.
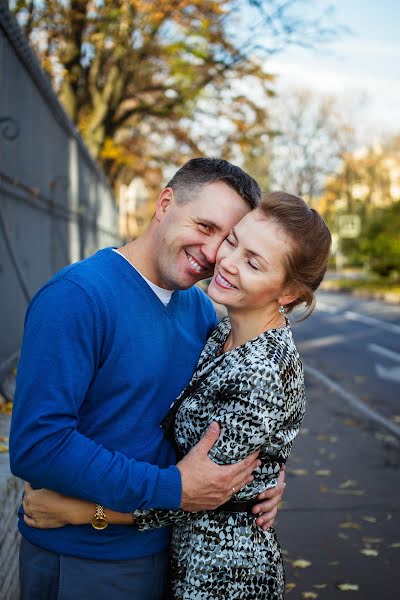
[209, 438]
[29, 521]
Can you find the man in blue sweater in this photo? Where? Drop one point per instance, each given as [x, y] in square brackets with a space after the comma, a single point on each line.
[109, 343]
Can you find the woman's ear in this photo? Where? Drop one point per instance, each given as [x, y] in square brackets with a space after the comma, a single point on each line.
[164, 201]
[289, 295]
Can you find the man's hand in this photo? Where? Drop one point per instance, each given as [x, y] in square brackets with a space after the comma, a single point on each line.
[206, 485]
[269, 508]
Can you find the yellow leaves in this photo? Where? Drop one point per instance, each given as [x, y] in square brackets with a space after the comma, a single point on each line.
[289, 587]
[6, 408]
[395, 545]
[3, 444]
[350, 525]
[301, 563]
[297, 471]
[311, 595]
[348, 483]
[368, 519]
[323, 473]
[347, 587]
[369, 552]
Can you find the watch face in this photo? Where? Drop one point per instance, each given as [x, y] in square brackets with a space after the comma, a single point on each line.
[99, 523]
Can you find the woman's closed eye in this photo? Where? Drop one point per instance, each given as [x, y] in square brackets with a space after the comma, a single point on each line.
[230, 240]
[252, 265]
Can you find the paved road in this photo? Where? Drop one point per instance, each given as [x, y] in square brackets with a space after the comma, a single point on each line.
[356, 344]
[341, 516]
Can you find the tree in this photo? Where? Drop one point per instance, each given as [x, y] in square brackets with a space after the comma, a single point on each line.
[368, 185]
[310, 138]
[151, 83]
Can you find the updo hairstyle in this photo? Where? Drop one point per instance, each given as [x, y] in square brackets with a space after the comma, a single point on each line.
[310, 244]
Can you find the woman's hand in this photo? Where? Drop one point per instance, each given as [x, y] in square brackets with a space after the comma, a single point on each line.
[269, 503]
[45, 509]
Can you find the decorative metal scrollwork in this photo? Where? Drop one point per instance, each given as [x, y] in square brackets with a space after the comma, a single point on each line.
[9, 128]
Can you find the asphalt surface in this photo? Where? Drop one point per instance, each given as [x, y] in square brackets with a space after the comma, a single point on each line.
[339, 525]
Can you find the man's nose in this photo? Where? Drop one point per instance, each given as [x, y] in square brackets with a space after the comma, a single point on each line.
[210, 249]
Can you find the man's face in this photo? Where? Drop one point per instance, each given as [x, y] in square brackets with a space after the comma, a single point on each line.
[189, 234]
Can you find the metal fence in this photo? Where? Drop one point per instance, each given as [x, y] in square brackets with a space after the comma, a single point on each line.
[56, 206]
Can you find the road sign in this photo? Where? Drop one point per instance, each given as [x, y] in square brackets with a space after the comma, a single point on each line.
[349, 226]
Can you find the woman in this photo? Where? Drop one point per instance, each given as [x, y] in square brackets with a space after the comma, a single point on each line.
[249, 378]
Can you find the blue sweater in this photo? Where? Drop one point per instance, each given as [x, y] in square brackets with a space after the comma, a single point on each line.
[101, 362]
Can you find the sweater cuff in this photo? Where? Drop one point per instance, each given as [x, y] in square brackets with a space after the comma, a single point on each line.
[169, 489]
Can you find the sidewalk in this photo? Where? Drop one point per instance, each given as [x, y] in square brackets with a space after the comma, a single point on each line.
[339, 526]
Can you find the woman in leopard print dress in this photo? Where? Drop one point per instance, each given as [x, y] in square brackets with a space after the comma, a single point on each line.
[249, 379]
[256, 393]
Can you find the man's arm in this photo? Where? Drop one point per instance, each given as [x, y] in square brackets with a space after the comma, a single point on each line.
[59, 358]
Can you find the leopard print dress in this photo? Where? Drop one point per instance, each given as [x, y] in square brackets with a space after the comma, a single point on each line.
[256, 393]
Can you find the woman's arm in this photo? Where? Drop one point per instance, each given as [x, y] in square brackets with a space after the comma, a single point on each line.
[46, 509]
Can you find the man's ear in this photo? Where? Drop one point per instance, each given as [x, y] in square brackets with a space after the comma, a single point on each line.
[164, 201]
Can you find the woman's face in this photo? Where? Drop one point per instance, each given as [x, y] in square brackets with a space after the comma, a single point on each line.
[249, 269]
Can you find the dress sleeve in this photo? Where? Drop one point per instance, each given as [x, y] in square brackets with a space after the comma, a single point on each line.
[153, 519]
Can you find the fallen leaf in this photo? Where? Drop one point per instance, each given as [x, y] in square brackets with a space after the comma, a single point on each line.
[289, 587]
[3, 438]
[320, 586]
[6, 408]
[395, 545]
[349, 525]
[369, 552]
[370, 540]
[385, 437]
[347, 587]
[368, 519]
[348, 483]
[311, 595]
[300, 563]
[323, 473]
[297, 471]
[396, 418]
[350, 492]
[343, 536]
[3, 449]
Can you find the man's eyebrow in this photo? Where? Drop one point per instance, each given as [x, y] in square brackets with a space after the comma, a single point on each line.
[208, 222]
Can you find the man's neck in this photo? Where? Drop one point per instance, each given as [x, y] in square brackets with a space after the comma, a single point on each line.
[140, 253]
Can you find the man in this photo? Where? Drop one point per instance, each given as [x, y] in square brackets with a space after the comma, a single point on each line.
[109, 343]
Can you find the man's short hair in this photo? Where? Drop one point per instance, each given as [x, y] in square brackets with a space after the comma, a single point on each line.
[198, 172]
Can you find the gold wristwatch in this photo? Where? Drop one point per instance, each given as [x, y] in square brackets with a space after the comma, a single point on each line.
[99, 520]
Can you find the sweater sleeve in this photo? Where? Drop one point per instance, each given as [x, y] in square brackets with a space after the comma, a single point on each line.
[59, 358]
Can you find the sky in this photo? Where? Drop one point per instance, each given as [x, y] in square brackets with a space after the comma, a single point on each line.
[362, 65]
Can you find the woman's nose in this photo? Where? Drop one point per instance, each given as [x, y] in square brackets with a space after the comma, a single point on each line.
[229, 262]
